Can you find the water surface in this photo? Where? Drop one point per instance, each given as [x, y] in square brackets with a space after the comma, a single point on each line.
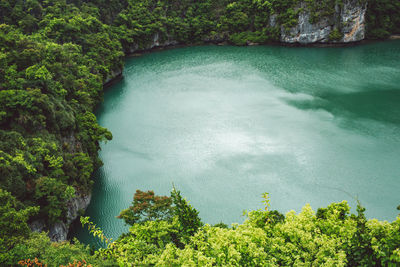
[225, 124]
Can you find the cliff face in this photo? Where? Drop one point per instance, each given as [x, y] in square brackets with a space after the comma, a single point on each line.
[155, 42]
[59, 231]
[353, 21]
[348, 22]
[344, 25]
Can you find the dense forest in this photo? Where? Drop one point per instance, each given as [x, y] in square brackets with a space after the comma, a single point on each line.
[55, 57]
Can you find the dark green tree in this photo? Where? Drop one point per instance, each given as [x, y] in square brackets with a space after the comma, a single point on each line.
[13, 222]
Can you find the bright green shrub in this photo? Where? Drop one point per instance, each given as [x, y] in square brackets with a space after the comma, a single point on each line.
[330, 237]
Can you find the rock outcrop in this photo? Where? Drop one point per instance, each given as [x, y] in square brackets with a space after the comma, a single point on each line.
[77, 206]
[59, 230]
[353, 21]
[156, 42]
[347, 22]
[116, 74]
[113, 75]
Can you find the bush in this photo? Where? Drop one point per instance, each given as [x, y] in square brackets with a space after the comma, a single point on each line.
[335, 35]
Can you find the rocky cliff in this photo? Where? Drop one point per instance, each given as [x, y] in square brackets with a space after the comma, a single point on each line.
[345, 25]
[59, 230]
[155, 42]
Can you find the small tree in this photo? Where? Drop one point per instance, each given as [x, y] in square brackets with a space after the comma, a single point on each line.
[360, 251]
[188, 217]
[146, 206]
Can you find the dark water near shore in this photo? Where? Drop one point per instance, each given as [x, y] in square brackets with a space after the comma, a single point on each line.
[225, 124]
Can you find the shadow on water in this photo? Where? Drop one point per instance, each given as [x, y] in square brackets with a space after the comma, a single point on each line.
[115, 93]
[370, 103]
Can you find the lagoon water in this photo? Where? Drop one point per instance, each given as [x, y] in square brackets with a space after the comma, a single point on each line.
[225, 124]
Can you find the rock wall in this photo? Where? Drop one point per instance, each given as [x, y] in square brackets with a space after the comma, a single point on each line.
[348, 19]
[113, 75]
[153, 44]
[59, 231]
[353, 21]
[117, 74]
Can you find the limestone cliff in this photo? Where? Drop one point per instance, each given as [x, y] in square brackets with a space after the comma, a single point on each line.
[59, 230]
[155, 42]
[347, 24]
[353, 21]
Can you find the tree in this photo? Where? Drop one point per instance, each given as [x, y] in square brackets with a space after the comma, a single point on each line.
[13, 222]
[188, 217]
[53, 195]
[146, 206]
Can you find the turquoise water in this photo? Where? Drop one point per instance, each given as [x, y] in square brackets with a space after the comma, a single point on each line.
[225, 124]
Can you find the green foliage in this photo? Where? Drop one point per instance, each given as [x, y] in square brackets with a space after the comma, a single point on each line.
[55, 56]
[52, 196]
[383, 18]
[221, 225]
[94, 230]
[335, 35]
[321, 9]
[332, 237]
[143, 243]
[39, 246]
[188, 217]
[266, 200]
[148, 207]
[13, 223]
[79, 168]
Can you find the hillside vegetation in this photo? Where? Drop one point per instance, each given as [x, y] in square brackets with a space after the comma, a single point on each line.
[167, 231]
[55, 56]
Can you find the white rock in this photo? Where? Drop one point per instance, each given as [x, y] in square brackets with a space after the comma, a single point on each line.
[351, 24]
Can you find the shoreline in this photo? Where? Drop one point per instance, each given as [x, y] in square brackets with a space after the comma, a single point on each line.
[141, 52]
